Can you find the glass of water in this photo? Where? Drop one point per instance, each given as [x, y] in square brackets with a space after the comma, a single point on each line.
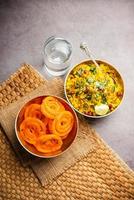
[57, 55]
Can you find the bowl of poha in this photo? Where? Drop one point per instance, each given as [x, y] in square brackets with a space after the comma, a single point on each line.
[94, 92]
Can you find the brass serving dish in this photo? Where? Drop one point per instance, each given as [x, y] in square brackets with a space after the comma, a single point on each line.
[66, 142]
[91, 62]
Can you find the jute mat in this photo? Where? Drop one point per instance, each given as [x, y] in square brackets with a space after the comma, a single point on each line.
[101, 174]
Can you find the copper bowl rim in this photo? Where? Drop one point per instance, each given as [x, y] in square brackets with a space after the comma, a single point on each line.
[58, 154]
[99, 116]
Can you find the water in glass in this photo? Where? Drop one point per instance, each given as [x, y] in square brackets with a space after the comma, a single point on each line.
[57, 54]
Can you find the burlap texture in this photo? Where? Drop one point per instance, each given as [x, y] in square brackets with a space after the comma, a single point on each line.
[100, 175]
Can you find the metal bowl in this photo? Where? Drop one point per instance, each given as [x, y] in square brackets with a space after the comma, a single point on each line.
[91, 62]
[66, 142]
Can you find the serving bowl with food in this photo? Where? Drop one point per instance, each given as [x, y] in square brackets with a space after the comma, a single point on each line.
[46, 126]
[94, 91]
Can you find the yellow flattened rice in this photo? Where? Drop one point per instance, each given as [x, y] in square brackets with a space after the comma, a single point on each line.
[88, 86]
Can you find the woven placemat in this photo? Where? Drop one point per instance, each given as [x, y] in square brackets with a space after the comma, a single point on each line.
[100, 175]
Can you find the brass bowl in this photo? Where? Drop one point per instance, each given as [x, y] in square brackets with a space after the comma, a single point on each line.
[91, 62]
[66, 142]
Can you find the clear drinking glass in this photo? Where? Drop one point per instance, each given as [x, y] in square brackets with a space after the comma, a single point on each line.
[57, 55]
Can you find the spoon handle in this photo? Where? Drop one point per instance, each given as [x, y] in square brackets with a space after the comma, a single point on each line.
[85, 48]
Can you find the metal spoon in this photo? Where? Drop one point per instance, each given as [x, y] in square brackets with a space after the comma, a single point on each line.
[85, 48]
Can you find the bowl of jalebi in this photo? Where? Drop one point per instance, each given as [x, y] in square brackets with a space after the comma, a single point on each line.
[46, 126]
[94, 92]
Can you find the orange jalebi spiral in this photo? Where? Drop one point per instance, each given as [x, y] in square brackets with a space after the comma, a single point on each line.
[62, 124]
[51, 107]
[48, 143]
[31, 129]
[34, 110]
